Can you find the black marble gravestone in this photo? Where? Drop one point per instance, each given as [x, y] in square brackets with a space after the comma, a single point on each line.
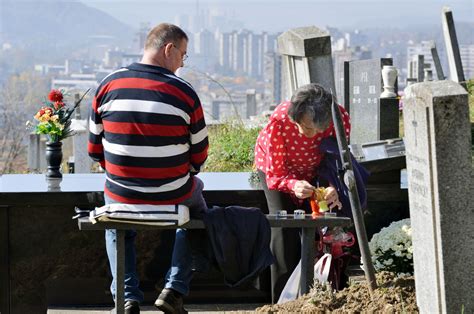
[371, 120]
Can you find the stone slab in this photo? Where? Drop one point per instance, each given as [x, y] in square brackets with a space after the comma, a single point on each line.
[306, 58]
[456, 72]
[365, 85]
[192, 308]
[438, 153]
[305, 42]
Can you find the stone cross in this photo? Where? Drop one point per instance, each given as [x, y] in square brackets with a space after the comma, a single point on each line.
[456, 72]
[440, 189]
[372, 118]
[306, 54]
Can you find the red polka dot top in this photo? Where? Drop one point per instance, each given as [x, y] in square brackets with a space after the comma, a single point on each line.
[285, 155]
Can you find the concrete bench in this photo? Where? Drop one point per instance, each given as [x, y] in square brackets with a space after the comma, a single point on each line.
[308, 227]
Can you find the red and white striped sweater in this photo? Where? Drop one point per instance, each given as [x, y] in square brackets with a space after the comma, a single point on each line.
[148, 132]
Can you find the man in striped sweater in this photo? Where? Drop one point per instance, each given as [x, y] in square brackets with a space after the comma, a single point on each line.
[147, 131]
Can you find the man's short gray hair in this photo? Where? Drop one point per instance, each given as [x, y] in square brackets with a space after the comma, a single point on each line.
[162, 34]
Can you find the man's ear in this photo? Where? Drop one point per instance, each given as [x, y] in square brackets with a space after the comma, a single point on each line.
[167, 49]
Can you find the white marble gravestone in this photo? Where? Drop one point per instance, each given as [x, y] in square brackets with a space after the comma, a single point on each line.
[306, 53]
[456, 72]
[82, 161]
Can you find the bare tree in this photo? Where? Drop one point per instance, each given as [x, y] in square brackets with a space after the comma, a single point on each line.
[20, 97]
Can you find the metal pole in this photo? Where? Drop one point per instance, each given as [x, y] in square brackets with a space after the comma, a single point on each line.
[350, 182]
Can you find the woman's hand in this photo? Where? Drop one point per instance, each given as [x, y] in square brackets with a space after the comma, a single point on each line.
[303, 189]
[330, 196]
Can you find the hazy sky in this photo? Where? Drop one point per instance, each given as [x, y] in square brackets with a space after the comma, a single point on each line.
[277, 15]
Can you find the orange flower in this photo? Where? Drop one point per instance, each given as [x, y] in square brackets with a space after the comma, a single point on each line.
[44, 111]
[58, 105]
[55, 95]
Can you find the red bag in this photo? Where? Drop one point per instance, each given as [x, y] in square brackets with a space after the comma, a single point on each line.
[334, 241]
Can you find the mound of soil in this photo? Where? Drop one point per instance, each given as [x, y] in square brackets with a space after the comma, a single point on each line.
[393, 295]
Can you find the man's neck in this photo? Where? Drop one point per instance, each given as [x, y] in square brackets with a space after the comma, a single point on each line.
[151, 60]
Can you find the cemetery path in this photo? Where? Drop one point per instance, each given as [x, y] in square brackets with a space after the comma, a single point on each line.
[394, 295]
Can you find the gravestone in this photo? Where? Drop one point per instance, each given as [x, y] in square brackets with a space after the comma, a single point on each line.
[456, 72]
[251, 103]
[306, 53]
[82, 161]
[437, 62]
[33, 152]
[438, 155]
[347, 100]
[371, 119]
[416, 68]
[36, 153]
[428, 74]
[410, 81]
[216, 106]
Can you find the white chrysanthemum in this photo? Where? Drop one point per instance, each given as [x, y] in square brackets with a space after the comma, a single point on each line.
[392, 247]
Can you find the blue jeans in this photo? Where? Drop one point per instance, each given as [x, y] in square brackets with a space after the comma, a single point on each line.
[180, 274]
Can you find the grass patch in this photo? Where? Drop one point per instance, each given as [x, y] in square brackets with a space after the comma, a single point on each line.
[231, 147]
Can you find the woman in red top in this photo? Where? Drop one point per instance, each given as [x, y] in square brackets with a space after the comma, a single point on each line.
[287, 157]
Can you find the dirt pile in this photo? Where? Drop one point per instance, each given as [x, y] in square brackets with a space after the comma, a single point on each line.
[394, 295]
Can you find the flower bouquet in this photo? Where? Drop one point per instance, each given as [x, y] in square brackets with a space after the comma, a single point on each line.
[54, 120]
[392, 248]
[54, 117]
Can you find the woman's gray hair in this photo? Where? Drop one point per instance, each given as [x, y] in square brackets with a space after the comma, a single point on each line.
[162, 34]
[314, 101]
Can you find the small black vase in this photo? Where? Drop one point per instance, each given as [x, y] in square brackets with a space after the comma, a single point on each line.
[54, 156]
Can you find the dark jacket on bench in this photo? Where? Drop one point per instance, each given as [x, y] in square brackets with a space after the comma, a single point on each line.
[240, 241]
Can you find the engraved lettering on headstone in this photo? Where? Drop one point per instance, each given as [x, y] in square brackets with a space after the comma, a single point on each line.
[416, 159]
[417, 174]
[417, 183]
[356, 90]
[371, 89]
[364, 77]
[421, 207]
[419, 189]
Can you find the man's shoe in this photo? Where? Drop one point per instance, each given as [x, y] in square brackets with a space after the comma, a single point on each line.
[132, 307]
[170, 303]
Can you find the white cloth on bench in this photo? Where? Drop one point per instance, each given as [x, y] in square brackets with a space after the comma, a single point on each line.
[157, 215]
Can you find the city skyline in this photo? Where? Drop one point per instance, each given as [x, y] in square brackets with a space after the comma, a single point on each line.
[277, 16]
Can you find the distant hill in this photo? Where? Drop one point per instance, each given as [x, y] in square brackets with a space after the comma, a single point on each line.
[58, 24]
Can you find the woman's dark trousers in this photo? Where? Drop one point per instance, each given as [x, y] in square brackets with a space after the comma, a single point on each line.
[285, 243]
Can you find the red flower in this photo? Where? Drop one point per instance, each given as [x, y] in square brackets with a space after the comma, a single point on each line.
[45, 110]
[55, 95]
[58, 104]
